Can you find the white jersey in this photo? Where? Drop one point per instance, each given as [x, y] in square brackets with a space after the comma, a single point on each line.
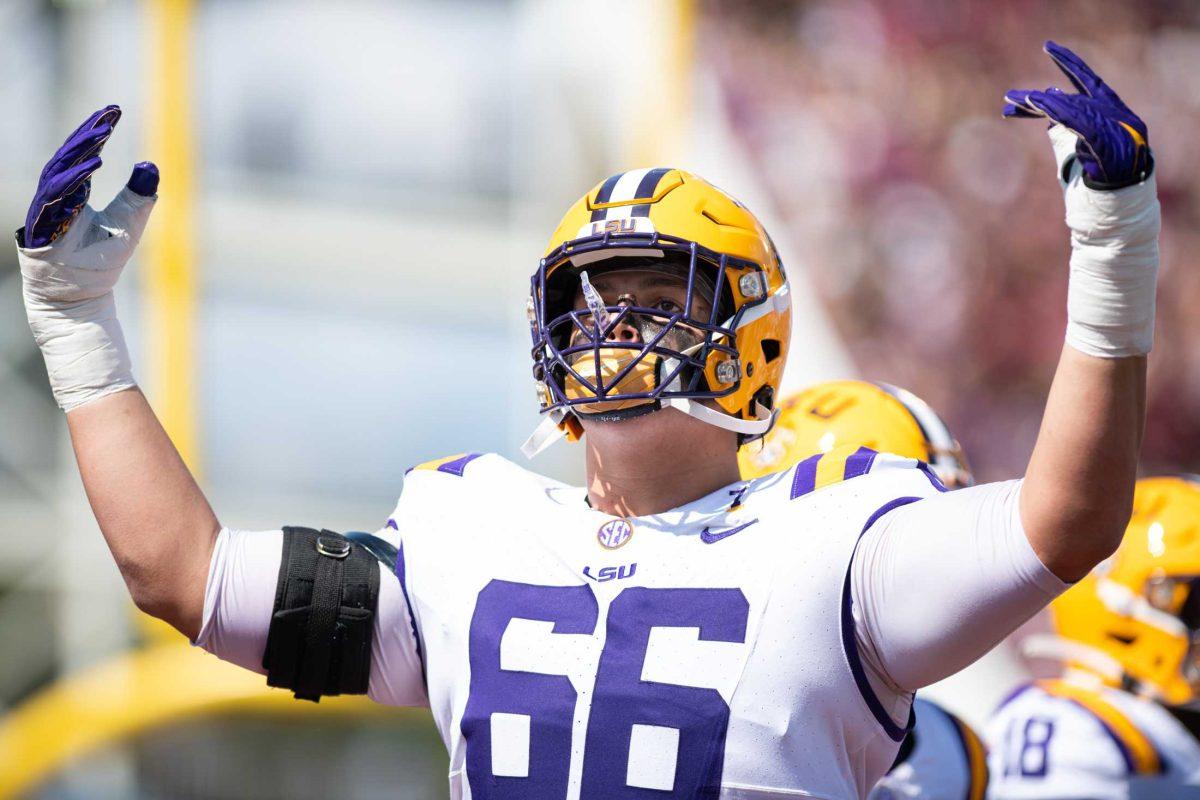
[1059, 739]
[943, 759]
[572, 654]
[755, 643]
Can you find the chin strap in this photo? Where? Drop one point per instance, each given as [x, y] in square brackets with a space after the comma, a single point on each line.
[548, 431]
[763, 416]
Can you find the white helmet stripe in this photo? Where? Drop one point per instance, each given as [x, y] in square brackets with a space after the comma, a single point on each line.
[624, 191]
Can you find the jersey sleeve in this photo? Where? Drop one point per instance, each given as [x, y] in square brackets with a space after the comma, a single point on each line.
[937, 583]
[240, 597]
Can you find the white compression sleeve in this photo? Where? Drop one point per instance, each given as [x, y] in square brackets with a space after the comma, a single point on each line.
[937, 583]
[240, 596]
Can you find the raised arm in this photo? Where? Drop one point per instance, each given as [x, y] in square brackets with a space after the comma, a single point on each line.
[154, 517]
[157, 522]
[1079, 484]
[998, 553]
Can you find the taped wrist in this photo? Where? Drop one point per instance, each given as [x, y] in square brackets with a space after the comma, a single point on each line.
[319, 642]
[79, 335]
[1114, 267]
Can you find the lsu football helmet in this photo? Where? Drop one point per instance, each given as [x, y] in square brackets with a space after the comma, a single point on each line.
[719, 358]
[1134, 621]
[848, 412]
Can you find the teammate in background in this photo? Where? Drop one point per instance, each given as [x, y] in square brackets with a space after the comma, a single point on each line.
[942, 758]
[1123, 721]
[667, 630]
[849, 413]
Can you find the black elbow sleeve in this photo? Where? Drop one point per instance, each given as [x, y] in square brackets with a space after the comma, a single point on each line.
[319, 641]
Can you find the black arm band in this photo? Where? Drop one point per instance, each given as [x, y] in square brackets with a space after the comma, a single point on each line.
[319, 642]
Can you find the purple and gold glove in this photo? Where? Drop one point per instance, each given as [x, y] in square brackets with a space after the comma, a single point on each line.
[1112, 143]
[66, 181]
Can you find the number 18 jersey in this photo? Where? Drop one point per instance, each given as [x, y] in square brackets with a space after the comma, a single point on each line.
[704, 652]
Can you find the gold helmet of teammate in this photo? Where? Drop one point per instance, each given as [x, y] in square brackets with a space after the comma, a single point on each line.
[719, 360]
[846, 412]
[1135, 619]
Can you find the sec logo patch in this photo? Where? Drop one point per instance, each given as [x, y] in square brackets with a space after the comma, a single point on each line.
[615, 533]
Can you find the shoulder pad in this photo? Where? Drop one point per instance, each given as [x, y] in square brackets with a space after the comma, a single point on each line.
[451, 465]
[1139, 752]
[846, 462]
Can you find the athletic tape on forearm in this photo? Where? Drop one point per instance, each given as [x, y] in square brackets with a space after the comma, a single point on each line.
[1114, 264]
[84, 348]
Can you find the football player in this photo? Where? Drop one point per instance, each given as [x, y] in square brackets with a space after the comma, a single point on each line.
[942, 758]
[1122, 721]
[668, 629]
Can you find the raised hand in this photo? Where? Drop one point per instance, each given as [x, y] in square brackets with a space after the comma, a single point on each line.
[1111, 142]
[71, 252]
[71, 256]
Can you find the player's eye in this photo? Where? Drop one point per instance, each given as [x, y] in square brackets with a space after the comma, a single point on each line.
[669, 306]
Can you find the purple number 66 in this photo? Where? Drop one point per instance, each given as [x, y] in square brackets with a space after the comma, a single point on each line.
[690, 720]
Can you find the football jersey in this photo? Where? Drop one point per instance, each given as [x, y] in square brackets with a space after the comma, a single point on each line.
[707, 651]
[944, 760]
[1059, 739]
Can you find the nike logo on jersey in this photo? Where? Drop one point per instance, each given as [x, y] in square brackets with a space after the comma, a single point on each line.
[708, 537]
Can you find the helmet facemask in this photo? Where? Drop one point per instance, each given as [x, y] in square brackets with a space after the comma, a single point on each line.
[617, 356]
[1164, 593]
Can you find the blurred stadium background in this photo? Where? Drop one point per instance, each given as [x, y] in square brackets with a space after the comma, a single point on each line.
[354, 195]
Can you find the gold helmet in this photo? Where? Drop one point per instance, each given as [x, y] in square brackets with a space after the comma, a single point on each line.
[721, 364]
[847, 412]
[1134, 621]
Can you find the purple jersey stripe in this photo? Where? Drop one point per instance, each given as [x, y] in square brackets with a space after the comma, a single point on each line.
[805, 479]
[859, 463]
[850, 644]
[402, 574]
[457, 466]
[933, 478]
[1013, 695]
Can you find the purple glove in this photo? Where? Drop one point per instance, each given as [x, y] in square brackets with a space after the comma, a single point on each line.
[1112, 144]
[66, 180]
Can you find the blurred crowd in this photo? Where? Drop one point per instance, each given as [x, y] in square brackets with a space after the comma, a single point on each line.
[932, 228]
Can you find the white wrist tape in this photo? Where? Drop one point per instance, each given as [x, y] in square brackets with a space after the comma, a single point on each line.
[1114, 260]
[85, 351]
[68, 289]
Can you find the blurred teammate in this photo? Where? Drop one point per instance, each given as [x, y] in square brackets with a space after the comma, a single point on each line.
[667, 630]
[848, 413]
[942, 757]
[1123, 720]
